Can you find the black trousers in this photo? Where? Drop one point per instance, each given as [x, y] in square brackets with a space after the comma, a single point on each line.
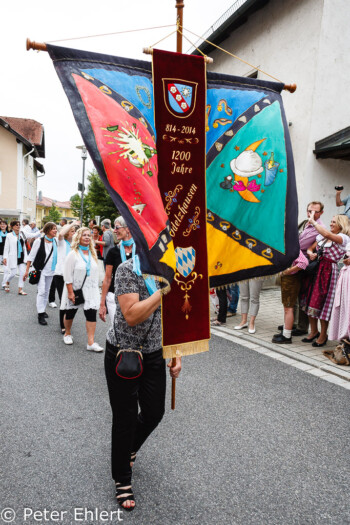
[222, 296]
[131, 427]
[57, 284]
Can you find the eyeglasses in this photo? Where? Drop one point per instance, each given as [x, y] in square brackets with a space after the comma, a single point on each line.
[118, 227]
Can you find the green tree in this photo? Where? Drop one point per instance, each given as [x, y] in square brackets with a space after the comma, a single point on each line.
[75, 202]
[54, 215]
[98, 200]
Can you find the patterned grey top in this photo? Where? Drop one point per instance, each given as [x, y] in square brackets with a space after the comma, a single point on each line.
[126, 281]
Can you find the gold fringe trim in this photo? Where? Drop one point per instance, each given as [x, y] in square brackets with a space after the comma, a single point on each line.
[194, 347]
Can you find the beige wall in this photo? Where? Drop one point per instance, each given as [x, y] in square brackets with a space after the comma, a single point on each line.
[8, 169]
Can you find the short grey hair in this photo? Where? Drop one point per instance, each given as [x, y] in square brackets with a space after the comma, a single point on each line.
[106, 223]
[120, 220]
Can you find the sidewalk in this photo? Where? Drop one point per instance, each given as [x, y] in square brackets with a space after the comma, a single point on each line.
[269, 317]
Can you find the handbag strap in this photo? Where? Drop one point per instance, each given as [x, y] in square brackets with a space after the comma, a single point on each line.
[144, 339]
[320, 251]
[48, 257]
[82, 286]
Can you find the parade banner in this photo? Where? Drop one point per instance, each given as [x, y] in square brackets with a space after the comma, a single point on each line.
[180, 124]
[112, 102]
[252, 205]
[251, 194]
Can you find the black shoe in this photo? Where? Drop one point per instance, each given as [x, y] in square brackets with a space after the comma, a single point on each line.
[306, 340]
[280, 339]
[297, 332]
[45, 315]
[318, 345]
[41, 319]
[280, 327]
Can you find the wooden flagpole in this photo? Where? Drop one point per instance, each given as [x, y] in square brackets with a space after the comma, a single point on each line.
[179, 23]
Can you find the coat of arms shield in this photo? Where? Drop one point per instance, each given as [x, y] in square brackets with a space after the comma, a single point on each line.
[179, 96]
[185, 260]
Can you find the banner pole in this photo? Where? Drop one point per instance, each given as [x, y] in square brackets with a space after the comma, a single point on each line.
[179, 23]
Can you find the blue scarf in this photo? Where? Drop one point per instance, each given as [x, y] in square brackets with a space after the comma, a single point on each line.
[19, 246]
[2, 235]
[149, 281]
[54, 255]
[87, 262]
[67, 246]
[122, 249]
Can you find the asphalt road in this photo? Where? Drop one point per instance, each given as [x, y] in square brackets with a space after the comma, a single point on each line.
[252, 441]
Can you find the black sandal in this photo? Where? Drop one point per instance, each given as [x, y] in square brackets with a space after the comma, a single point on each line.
[124, 493]
[132, 459]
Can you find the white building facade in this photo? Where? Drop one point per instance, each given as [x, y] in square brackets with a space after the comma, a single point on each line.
[306, 42]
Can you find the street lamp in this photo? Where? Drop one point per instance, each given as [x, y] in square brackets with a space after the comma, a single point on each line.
[84, 157]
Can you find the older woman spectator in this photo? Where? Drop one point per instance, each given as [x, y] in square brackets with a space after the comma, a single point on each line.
[137, 325]
[80, 271]
[14, 257]
[317, 294]
[43, 256]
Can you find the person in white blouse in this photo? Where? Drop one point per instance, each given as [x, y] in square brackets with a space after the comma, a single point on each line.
[80, 271]
[14, 257]
[65, 237]
[28, 231]
[43, 255]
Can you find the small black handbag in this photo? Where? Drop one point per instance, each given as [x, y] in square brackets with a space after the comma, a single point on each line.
[129, 362]
[78, 294]
[34, 275]
[312, 267]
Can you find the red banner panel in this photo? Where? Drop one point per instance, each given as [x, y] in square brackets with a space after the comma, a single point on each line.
[180, 97]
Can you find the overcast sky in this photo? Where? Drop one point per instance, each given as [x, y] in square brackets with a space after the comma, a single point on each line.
[30, 88]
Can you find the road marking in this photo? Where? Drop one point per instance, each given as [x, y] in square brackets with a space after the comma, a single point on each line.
[304, 367]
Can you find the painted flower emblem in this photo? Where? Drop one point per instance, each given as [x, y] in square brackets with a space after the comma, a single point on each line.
[186, 92]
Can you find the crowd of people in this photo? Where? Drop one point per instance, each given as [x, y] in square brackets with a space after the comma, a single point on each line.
[97, 271]
[69, 259]
[313, 297]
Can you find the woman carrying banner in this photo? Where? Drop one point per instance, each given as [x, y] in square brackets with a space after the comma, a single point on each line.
[80, 272]
[317, 294]
[137, 323]
[43, 255]
[14, 257]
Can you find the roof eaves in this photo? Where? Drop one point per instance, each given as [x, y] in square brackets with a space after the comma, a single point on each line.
[234, 17]
[19, 137]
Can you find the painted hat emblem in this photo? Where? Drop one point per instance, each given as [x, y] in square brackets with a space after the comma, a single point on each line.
[247, 164]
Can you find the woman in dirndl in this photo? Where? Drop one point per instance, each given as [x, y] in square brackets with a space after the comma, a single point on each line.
[339, 328]
[318, 290]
